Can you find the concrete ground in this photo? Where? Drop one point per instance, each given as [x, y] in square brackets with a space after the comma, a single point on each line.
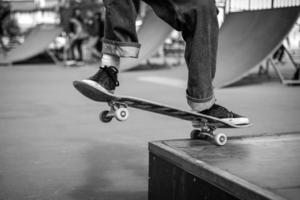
[52, 145]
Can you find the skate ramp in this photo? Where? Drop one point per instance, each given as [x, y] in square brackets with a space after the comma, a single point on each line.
[152, 35]
[36, 42]
[247, 38]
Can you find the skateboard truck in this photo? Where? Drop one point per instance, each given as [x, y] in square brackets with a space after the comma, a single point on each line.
[203, 130]
[117, 110]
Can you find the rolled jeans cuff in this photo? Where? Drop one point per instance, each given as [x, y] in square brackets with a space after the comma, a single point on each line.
[201, 104]
[121, 49]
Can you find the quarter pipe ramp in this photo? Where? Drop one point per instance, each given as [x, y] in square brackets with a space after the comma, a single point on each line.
[36, 42]
[247, 38]
[151, 34]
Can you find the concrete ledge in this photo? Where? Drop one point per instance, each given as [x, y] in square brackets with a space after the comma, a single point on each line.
[265, 167]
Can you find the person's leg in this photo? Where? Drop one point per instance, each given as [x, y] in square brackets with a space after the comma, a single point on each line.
[94, 49]
[281, 53]
[197, 20]
[79, 49]
[120, 37]
[91, 47]
[200, 55]
[297, 74]
[120, 40]
[72, 49]
[2, 45]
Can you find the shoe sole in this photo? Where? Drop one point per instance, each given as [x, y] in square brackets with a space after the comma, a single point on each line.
[237, 121]
[91, 90]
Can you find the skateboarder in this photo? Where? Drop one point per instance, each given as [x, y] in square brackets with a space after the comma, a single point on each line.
[196, 19]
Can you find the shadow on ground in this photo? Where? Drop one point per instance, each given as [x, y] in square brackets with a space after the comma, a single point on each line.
[254, 79]
[114, 172]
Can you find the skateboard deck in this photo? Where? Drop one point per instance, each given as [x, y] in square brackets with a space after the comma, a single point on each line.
[204, 125]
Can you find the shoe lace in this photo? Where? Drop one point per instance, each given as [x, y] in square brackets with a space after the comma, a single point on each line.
[230, 114]
[112, 73]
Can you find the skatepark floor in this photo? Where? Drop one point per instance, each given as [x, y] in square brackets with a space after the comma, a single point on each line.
[52, 145]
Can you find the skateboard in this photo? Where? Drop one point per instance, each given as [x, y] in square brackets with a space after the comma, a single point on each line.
[204, 125]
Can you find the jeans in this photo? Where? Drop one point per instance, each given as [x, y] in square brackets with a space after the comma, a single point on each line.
[197, 21]
[76, 44]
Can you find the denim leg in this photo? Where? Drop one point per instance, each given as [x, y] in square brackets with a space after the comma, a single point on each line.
[197, 20]
[120, 37]
[200, 55]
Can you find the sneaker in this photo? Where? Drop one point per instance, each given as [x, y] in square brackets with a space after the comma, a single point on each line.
[107, 77]
[105, 80]
[228, 116]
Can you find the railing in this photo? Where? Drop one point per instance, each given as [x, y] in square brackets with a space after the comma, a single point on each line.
[241, 5]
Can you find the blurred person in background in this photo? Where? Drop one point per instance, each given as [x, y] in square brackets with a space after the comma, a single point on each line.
[77, 35]
[279, 53]
[4, 13]
[100, 18]
[93, 27]
[9, 28]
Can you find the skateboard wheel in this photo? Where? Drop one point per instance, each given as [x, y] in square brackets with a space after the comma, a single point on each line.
[122, 114]
[220, 139]
[104, 117]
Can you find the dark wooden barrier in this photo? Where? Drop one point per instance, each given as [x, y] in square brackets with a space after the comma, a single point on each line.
[253, 168]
